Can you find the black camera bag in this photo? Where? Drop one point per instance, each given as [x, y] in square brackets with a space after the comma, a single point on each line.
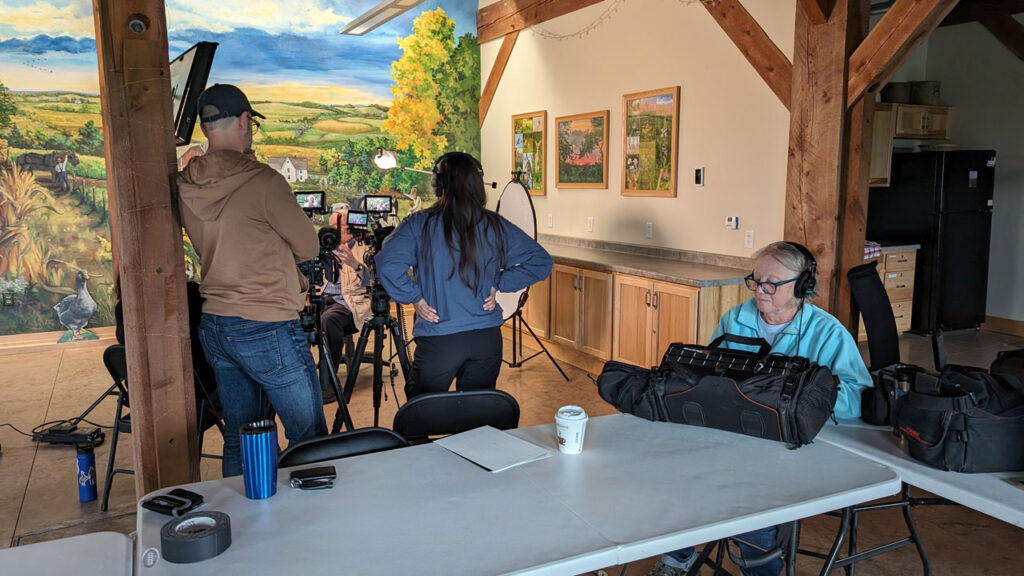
[1009, 362]
[759, 394]
[964, 420]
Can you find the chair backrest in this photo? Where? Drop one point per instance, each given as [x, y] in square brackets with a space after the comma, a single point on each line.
[443, 413]
[343, 445]
[879, 321]
[116, 361]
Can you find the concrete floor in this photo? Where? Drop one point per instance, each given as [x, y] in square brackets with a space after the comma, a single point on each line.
[38, 496]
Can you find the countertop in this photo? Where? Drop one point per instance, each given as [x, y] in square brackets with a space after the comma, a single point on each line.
[676, 271]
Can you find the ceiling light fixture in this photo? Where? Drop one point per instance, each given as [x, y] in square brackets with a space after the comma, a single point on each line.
[378, 15]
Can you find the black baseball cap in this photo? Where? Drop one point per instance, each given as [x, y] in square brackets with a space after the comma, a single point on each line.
[223, 101]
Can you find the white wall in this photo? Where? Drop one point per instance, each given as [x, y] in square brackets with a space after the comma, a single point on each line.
[731, 123]
[984, 82]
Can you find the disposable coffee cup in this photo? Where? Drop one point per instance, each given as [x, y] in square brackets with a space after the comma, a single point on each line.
[259, 459]
[570, 426]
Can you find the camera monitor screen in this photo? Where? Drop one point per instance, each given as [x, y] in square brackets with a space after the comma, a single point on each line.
[379, 204]
[357, 219]
[311, 201]
[189, 73]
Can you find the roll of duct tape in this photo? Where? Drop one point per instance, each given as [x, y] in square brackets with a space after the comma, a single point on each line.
[195, 537]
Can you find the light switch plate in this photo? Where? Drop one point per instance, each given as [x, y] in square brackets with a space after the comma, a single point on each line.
[590, 223]
[649, 230]
[748, 239]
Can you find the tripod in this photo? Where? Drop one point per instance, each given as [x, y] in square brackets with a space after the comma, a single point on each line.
[380, 304]
[324, 367]
[517, 339]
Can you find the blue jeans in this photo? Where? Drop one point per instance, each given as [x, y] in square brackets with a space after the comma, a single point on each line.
[253, 360]
[764, 538]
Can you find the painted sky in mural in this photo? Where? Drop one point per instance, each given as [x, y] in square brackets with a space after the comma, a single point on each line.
[285, 50]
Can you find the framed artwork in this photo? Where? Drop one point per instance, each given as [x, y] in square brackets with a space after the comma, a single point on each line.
[650, 132]
[528, 149]
[582, 150]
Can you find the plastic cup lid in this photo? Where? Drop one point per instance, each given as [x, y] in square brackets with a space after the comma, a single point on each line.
[572, 413]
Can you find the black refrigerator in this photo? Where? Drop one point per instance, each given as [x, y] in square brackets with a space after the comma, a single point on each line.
[942, 201]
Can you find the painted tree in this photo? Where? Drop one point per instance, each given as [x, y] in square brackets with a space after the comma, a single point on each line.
[8, 107]
[90, 139]
[458, 99]
[414, 116]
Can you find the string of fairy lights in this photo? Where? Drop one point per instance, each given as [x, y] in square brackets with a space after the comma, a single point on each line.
[605, 15]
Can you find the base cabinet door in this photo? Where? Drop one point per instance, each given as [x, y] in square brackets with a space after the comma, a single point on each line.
[675, 317]
[537, 310]
[581, 309]
[632, 313]
[564, 296]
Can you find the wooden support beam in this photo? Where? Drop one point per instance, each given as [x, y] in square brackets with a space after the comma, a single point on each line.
[766, 58]
[974, 10]
[818, 139]
[507, 16]
[135, 91]
[494, 78]
[887, 47]
[817, 10]
[1007, 30]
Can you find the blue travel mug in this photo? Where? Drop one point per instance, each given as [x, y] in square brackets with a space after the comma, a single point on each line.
[86, 473]
[259, 459]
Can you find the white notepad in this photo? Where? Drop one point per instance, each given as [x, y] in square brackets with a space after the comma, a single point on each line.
[493, 449]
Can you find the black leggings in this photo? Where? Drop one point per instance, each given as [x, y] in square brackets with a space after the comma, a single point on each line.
[471, 358]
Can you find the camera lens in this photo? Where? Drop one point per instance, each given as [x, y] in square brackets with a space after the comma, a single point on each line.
[329, 238]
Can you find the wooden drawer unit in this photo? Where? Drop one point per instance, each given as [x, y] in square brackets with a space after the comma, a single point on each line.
[896, 269]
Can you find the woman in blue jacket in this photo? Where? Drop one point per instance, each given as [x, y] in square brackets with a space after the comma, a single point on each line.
[783, 283]
[460, 254]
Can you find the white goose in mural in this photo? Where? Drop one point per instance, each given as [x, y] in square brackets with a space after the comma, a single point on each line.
[74, 311]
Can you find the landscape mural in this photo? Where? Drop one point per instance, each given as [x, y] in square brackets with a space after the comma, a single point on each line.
[412, 85]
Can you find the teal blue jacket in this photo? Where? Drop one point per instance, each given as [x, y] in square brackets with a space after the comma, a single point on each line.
[815, 335]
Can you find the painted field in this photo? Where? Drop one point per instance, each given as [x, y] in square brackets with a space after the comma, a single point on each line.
[343, 127]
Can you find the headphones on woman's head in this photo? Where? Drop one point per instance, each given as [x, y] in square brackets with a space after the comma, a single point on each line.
[442, 176]
[807, 280]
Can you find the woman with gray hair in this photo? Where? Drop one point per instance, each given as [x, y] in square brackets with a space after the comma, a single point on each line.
[781, 312]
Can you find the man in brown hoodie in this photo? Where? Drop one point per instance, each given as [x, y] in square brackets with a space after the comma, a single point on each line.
[249, 234]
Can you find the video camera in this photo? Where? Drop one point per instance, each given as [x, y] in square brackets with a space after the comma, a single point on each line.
[370, 225]
[323, 266]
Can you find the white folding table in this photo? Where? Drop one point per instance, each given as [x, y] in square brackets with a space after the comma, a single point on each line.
[96, 554]
[997, 494]
[638, 489]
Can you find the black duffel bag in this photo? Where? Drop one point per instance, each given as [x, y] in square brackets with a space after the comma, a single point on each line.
[759, 394]
[964, 420]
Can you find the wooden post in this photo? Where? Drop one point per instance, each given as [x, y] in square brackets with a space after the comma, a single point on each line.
[818, 139]
[135, 90]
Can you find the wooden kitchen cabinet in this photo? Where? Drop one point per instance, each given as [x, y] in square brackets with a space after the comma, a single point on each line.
[581, 309]
[897, 270]
[537, 310]
[922, 122]
[649, 315]
[881, 145]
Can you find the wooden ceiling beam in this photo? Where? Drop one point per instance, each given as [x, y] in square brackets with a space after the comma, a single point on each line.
[494, 78]
[817, 10]
[770, 63]
[1007, 30]
[507, 16]
[974, 10]
[887, 47]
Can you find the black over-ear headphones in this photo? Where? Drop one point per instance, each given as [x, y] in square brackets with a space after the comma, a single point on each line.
[807, 281]
[442, 176]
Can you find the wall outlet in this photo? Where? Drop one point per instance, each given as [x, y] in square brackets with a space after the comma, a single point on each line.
[748, 239]
[698, 176]
[590, 223]
[551, 219]
[649, 230]
[732, 222]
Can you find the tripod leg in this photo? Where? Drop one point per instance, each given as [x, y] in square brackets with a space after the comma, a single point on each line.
[542, 347]
[353, 371]
[378, 370]
[402, 348]
[328, 375]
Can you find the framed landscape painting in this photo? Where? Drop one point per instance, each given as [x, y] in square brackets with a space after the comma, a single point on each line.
[582, 150]
[528, 149]
[650, 131]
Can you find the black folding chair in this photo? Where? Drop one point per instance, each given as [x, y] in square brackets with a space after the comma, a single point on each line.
[879, 321]
[444, 413]
[341, 445]
[115, 360]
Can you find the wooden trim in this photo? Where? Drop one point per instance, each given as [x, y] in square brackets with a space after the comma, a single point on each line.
[1004, 325]
[1007, 30]
[135, 92]
[671, 191]
[45, 341]
[766, 58]
[892, 40]
[817, 10]
[494, 78]
[501, 18]
[974, 10]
